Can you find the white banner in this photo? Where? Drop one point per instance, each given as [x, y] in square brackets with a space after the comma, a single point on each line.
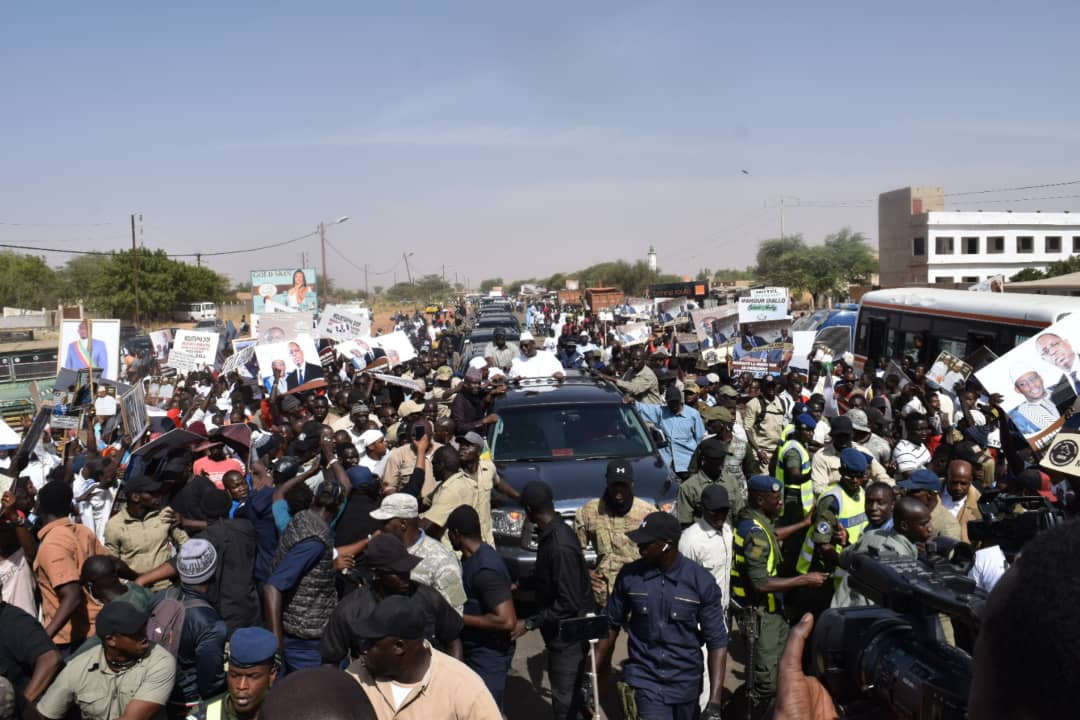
[339, 324]
[416, 385]
[202, 346]
[752, 310]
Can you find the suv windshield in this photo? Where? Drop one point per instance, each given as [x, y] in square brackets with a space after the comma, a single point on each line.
[569, 432]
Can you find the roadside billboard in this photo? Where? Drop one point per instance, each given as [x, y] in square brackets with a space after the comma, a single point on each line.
[288, 290]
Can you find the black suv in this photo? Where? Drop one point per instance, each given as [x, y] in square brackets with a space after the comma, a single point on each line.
[565, 433]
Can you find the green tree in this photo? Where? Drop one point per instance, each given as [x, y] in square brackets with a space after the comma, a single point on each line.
[26, 281]
[704, 274]
[429, 288]
[824, 270]
[164, 284]
[784, 262]
[1028, 274]
[486, 285]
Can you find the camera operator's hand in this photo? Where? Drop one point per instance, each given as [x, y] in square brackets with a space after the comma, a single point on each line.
[799, 697]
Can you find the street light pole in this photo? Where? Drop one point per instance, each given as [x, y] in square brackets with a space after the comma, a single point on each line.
[407, 270]
[322, 244]
[134, 268]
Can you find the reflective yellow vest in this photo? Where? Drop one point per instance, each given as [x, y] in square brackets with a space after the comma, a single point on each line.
[806, 488]
[851, 515]
[740, 583]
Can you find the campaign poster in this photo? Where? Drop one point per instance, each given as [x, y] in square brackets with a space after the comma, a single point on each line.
[279, 327]
[716, 326]
[802, 349]
[133, 412]
[1063, 454]
[284, 290]
[632, 334]
[763, 348]
[397, 346]
[85, 343]
[757, 310]
[193, 350]
[160, 340]
[947, 371]
[296, 362]
[1039, 380]
[338, 323]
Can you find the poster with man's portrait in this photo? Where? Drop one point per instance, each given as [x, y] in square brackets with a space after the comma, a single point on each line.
[763, 348]
[716, 326]
[1039, 380]
[279, 327]
[90, 343]
[295, 361]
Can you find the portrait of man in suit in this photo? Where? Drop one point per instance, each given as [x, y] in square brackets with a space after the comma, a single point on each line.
[1059, 352]
[302, 371]
[82, 352]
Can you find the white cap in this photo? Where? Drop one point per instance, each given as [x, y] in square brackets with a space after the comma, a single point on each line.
[526, 337]
[370, 437]
[478, 363]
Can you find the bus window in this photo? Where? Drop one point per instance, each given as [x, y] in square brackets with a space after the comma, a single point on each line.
[956, 348]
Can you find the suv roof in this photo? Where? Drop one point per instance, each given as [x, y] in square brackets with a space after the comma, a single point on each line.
[578, 387]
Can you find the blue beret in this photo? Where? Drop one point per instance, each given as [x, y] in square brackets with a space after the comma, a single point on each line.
[921, 480]
[853, 460]
[799, 408]
[360, 477]
[764, 483]
[252, 646]
[806, 420]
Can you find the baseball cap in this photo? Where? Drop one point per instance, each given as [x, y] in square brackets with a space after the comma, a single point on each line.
[713, 448]
[763, 483]
[359, 409]
[713, 379]
[536, 493]
[196, 561]
[251, 646]
[691, 387]
[841, 426]
[853, 461]
[290, 403]
[526, 337]
[360, 477]
[619, 471]
[398, 505]
[285, 468]
[656, 526]
[672, 394]
[858, 419]
[444, 373]
[120, 618]
[370, 437]
[387, 552]
[729, 391]
[474, 438]
[922, 479]
[409, 407]
[398, 616]
[716, 412]
[715, 497]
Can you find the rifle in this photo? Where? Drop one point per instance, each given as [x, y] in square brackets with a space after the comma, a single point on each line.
[747, 618]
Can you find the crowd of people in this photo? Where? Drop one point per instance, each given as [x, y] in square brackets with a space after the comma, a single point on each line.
[260, 552]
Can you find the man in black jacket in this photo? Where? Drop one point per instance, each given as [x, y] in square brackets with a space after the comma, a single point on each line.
[563, 592]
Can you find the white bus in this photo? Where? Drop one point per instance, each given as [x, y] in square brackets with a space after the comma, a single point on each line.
[921, 322]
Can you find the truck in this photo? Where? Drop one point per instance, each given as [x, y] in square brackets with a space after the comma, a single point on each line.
[569, 297]
[603, 298]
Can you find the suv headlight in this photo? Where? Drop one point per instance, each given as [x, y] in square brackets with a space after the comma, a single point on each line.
[507, 522]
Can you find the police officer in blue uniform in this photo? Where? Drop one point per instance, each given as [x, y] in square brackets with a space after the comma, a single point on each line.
[670, 606]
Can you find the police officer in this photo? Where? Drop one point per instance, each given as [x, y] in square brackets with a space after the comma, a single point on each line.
[253, 663]
[668, 604]
[793, 463]
[839, 519]
[756, 582]
[604, 522]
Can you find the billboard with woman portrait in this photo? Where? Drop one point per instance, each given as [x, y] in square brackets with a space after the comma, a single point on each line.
[289, 290]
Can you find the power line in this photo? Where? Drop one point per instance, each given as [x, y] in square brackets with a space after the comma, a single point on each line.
[172, 255]
[358, 267]
[1015, 189]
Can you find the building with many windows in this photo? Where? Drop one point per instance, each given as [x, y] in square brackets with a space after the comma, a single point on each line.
[921, 243]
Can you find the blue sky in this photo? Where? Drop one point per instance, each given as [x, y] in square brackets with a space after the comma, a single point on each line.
[513, 139]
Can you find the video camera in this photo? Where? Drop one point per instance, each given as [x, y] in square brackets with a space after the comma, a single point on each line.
[1009, 521]
[890, 660]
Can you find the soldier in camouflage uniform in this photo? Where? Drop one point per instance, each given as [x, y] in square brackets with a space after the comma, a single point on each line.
[711, 453]
[605, 521]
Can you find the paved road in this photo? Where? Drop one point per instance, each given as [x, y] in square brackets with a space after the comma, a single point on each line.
[528, 695]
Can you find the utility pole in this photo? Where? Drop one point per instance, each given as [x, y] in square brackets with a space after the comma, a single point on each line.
[408, 272]
[135, 268]
[444, 273]
[198, 259]
[322, 242]
[781, 217]
[365, 279]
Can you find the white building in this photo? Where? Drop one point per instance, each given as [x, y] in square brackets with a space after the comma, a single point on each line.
[652, 259]
[920, 243]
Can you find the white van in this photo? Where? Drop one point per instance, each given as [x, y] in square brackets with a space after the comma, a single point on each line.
[197, 311]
